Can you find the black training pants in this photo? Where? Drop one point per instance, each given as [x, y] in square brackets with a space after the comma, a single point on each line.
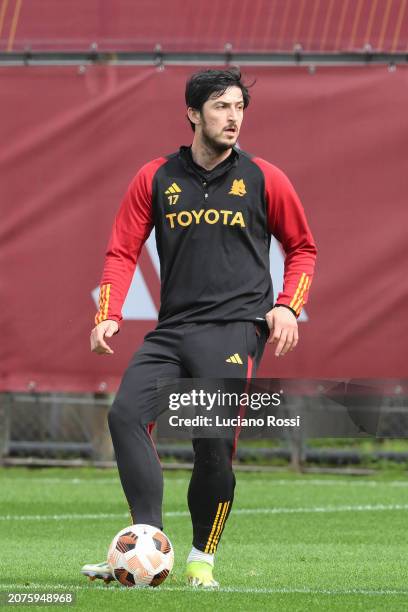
[197, 350]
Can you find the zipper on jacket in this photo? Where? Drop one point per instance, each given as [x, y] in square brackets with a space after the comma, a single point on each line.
[205, 186]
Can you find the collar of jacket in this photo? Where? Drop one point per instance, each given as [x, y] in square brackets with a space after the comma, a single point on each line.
[209, 175]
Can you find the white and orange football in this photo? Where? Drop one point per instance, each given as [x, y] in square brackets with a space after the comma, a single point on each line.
[141, 556]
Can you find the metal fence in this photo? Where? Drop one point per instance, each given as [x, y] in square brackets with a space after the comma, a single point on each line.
[55, 425]
[61, 428]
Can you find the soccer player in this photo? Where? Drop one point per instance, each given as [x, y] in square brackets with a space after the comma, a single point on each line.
[214, 209]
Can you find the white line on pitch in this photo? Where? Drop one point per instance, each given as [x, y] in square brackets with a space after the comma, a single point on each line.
[313, 509]
[183, 481]
[55, 480]
[332, 482]
[323, 509]
[156, 591]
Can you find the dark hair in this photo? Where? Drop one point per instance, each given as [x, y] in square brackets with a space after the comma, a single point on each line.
[202, 85]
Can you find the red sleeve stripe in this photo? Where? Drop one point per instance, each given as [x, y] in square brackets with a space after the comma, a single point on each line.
[298, 290]
[299, 304]
[102, 313]
[98, 314]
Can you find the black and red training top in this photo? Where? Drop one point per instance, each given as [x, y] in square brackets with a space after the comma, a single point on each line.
[213, 232]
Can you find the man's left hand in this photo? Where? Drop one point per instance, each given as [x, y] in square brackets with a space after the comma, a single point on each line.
[283, 330]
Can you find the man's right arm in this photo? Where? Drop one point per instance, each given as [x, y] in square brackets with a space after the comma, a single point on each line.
[131, 228]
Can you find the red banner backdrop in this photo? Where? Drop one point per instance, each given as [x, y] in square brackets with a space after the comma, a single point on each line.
[71, 140]
[199, 25]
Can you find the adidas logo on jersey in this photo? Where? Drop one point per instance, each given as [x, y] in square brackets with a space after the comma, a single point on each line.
[234, 359]
[173, 193]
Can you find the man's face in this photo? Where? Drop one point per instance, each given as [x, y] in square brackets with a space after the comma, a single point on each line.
[221, 118]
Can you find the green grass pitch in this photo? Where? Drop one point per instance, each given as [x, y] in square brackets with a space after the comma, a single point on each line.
[291, 543]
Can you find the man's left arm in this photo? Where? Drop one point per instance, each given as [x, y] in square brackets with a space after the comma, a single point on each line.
[287, 222]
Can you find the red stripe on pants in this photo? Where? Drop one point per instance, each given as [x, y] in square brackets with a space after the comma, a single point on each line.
[242, 408]
[150, 427]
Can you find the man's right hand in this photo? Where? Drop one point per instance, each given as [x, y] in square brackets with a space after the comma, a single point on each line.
[103, 330]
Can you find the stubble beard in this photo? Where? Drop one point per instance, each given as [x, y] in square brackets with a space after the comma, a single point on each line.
[213, 144]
